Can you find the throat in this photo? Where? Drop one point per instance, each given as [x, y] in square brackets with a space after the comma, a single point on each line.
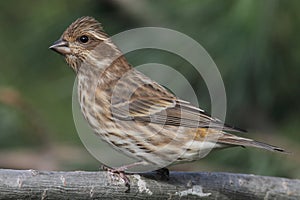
[105, 73]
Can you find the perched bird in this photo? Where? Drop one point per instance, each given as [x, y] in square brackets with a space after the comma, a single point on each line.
[133, 113]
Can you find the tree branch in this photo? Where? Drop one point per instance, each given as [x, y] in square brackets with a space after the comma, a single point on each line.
[25, 184]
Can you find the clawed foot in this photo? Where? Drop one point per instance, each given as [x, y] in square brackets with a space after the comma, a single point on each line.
[120, 173]
[163, 174]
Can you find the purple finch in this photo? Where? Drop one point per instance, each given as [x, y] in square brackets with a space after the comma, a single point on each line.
[133, 113]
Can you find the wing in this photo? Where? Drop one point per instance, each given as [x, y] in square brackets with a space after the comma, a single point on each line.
[151, 102]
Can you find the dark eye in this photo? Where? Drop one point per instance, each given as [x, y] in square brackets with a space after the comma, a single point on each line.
[84, 39]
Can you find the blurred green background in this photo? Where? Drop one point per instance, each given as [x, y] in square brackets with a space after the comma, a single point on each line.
[255, 44]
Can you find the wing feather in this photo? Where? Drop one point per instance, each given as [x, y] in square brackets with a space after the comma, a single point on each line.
[157, 105]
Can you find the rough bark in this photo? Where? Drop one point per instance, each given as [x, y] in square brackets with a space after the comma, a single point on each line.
[32, 184]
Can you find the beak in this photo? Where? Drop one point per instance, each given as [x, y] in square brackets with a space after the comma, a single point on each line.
[61, 46]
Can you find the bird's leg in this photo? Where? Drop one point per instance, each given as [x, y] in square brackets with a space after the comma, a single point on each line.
[163, 174]
[120, 171]
[123, 168]
[121, 174]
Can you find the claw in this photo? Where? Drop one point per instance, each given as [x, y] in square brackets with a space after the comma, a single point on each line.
[163, 173]
[121, 174]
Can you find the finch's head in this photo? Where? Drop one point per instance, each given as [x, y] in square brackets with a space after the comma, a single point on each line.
[78, 40]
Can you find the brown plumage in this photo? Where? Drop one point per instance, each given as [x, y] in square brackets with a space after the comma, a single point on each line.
[133, 113]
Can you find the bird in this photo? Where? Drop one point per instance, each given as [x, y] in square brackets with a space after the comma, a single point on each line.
[134, 114]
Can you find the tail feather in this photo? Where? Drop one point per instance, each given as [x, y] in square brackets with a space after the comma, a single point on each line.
[233, 140]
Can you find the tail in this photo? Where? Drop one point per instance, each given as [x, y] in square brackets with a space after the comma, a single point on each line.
[232, 140]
